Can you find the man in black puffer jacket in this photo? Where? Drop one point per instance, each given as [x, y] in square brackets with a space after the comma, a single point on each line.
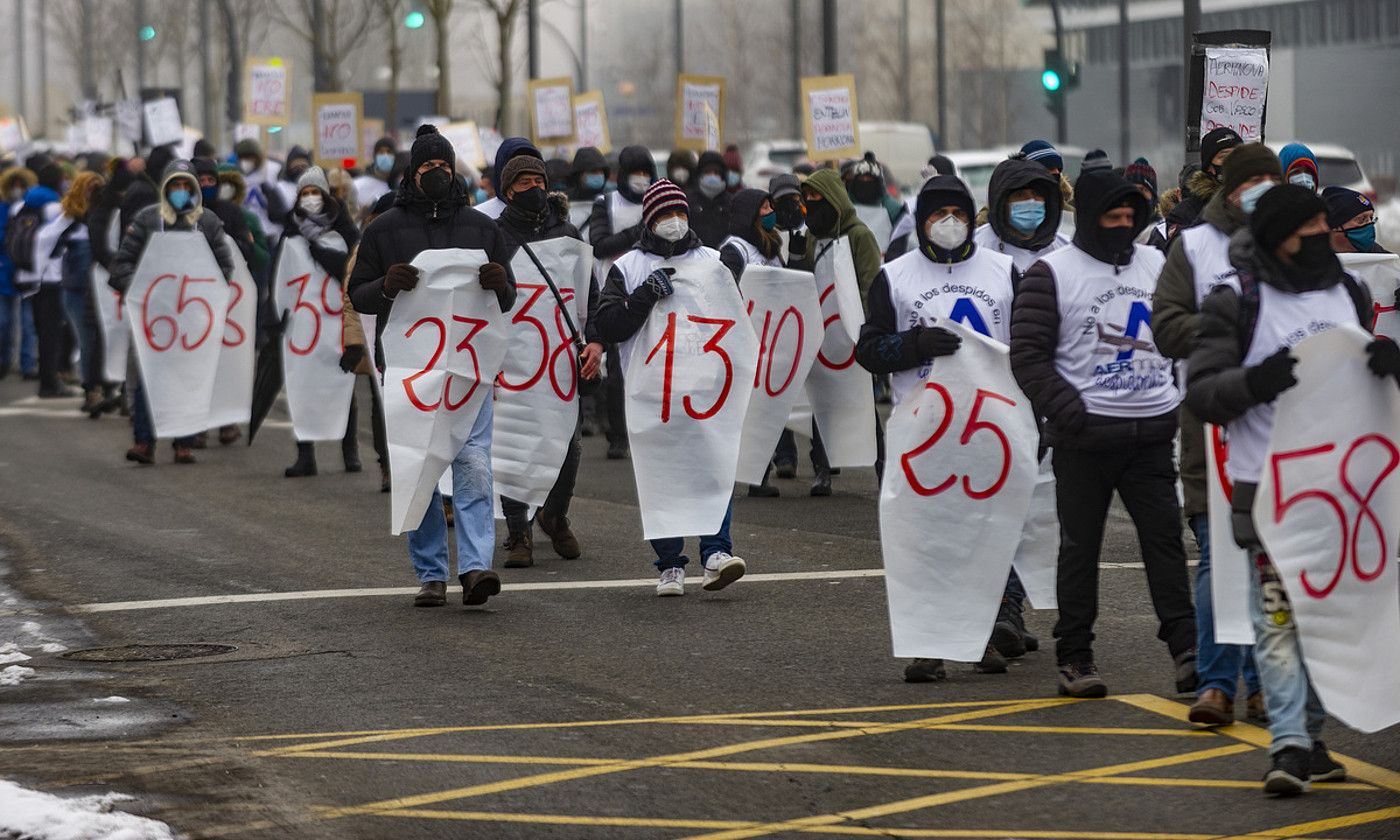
[1082, 349]
[432, 212]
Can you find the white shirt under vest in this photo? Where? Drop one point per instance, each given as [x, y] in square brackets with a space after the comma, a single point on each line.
[986, 237]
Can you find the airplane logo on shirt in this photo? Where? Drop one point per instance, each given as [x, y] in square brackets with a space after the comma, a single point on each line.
[1121, 342]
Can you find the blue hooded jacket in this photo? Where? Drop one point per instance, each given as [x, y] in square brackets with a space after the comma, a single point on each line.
[510, 147]
[36, 196]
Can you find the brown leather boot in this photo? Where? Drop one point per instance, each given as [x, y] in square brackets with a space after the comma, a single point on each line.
[478, 586]
[1255, 710]
[433, 593]
[561, 537]
[1213, 708]
[519, 551]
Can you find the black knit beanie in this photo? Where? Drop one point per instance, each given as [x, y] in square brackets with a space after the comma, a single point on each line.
[429, 145]
[1246, 162]
[1281, 211]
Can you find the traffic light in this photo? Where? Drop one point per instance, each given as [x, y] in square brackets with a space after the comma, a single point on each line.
[413, 20]
[1059, 77]
[147, 33]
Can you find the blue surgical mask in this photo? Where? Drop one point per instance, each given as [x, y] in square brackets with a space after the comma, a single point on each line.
[1303, 179]
[711, 184]
[1364, 237]
[383, 161]
[209, 193]
[478, 196]
[594, 181]
[1250, 197]
[179, 198]
[769, 220]
[731, 178]
[1027, 216]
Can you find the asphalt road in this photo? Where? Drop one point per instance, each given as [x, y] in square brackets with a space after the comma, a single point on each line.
[565, 710]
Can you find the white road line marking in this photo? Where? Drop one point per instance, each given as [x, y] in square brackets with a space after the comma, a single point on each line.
[530, 586]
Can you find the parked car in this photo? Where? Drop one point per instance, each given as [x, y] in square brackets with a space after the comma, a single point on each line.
[767, 158]
[1336, 167]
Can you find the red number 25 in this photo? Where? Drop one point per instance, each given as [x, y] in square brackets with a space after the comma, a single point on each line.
[973, 426]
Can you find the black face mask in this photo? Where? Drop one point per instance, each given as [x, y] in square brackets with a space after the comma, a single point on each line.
[532, 201]
[435, 183]
[789, 211]
[865, 191]
[822, 218]
[1117, 241]
[1315, 253]
[295, 172]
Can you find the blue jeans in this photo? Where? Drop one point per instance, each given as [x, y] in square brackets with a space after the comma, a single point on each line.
[668, 551]
[143, 427]
[75, 305]
[475, 520]
[1218, 665]
[16, 312]
[1295, 713]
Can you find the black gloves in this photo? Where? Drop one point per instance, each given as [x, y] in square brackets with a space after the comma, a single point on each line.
[659, 282]
[493, 277]
[933, 342]
[1384, 358]
[351, 358]
[401, 277]
[1272, 376]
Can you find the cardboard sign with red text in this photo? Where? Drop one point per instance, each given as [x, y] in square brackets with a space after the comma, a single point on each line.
[1328, 513]
[687, 390]
[176, 305]
[443, 344]
[318, 391]
[957, 489]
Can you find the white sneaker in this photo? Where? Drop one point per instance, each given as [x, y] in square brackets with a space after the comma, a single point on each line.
[722, 569]
[672, 583]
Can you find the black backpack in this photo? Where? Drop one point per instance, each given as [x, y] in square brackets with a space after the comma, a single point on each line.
[20, 235]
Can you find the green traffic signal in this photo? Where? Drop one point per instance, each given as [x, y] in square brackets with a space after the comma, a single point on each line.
[1050, 79]
[148, 33]
[413, 20]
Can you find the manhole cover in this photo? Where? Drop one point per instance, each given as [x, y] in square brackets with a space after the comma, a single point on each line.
[147, 653]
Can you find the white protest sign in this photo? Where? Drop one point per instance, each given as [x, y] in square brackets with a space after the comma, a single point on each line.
[956, 491]
[188, 137]
[693, 95]
[443, 344]
[591, 122]
[537, 389]
[318, 391]
[247, 131]
[97, 134]
[337, 128]
[687, 389]
[14, 135]
[1038, 554]
[877, 219]
[787, 318]
[1328, 514]
[163, 121]
[831, 127]
[551, 109]
[466, 142]
[1229, 564]
[1236, 87]
[1381, 274]
[175, 303]
[842, 395]
[233, 380]
[129, 116]
[712, 138]
[266, 93]
[111, 317]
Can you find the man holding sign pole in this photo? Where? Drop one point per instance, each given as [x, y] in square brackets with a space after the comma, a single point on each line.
[1291, 286]
[431, 213]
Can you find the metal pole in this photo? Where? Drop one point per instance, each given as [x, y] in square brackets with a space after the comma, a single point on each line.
[795, 15]
[1123, 71]
[1061, 121]
[680, 37]
[942, 80]
[86, 80]
[206, 102]
[829, 37]
[43, 70]
[532, 35]
[583, 44]
[21, 86]
[318, 47]
[140, 48]
[1190, 23]
[906, 91]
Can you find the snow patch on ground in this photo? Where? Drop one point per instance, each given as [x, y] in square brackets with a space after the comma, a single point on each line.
[42, 816]
[15, 674]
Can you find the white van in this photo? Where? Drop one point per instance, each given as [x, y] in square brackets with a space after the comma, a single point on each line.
[904, 149]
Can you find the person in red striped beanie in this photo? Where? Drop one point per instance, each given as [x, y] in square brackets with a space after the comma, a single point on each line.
[635, 283]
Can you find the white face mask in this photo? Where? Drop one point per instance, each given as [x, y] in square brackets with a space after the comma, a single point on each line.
[1302, 179]
[226, 192]
[680, 176]
[247, 165]
[311, 204]
[947, 233]
[673, 229]
[638, 183]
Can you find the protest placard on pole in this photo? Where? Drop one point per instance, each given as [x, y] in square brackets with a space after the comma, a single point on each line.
[551, 110]
[267, 98]
[466, 142]
[830, 123]
[591, 122]
[337, 125]
[1236, 86]
[693, 95]
[163, 124]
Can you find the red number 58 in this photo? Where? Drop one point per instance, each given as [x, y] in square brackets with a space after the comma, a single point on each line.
[972, 427]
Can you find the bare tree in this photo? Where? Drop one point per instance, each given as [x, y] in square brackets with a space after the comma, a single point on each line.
[332, 29]
[505, 14]
[441, 13]
[392, 12]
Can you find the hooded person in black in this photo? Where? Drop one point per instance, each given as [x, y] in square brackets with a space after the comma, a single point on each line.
[758, 229]
[588, 178]
[680, 168]
[1082, 351]
[1023, 214]
[431, 212]
[144, 190]
[235, 224]
[709, 200]
[1201, 185]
